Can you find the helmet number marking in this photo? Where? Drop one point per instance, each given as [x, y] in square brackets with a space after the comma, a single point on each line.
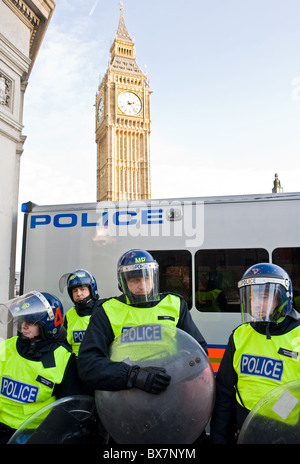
[58, 320]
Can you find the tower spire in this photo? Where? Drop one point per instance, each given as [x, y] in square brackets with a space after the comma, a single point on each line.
[277, 187]
[122, 33]
[122, 55]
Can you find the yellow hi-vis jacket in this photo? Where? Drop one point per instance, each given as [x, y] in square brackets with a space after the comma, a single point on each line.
[123, 316]
[76, 329]
[208, 301]
[25, 385]
[262, 364]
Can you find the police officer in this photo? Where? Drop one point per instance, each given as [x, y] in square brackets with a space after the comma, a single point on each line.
[140, 303]
[83, 291]
[35, 366]
[208, 297]
[261, 354]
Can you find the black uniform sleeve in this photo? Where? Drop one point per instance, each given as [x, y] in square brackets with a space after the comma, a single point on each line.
[187, 324]
[65, 323]
[65, 327]
[223, 421]
[94, 367]
[70, 384]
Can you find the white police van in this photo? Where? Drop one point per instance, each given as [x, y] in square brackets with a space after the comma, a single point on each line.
[202, 245]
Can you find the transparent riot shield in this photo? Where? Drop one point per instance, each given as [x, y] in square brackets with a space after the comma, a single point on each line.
[275, 419]
[68, 420]
[177, 415]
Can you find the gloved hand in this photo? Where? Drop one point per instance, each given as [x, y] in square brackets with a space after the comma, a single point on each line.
[150, 379]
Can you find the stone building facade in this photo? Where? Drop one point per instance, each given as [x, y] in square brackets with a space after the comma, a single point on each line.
[23, 24]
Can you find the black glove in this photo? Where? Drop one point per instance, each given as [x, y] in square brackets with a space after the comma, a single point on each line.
[149, 379]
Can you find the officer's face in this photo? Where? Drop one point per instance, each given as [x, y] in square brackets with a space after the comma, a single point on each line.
[140, 285]
[263, 302]
[30, 330]
[79, 293]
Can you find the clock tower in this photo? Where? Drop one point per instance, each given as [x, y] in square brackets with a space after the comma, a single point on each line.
[123, 125]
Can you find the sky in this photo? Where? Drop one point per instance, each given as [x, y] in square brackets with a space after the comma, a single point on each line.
[225, 107]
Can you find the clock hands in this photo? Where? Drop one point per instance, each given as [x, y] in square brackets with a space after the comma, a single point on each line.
[129, 103]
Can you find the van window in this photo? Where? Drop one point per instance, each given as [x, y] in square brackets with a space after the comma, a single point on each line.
[289, 260]
[175, 272]
[217, 273]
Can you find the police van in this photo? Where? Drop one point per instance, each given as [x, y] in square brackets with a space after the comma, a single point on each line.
[202, 245]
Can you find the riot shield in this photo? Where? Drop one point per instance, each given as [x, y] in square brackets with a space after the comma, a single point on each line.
[177, 415]
[72, 419]
[275, 419]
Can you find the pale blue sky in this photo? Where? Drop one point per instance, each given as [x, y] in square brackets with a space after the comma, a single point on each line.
[225, 75]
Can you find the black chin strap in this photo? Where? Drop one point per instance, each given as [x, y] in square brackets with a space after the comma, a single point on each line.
[268, 335]
[81, 304]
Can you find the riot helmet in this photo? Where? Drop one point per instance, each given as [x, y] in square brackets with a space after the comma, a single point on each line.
[266, 293]
[138, 276]
[42, 309]
[79, 278]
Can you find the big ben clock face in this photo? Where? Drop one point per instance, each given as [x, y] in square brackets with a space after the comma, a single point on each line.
[100, 109]
[129, 103]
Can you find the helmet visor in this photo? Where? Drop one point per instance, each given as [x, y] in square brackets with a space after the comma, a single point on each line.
[140, 282]
[31, 307]
[78, 278]
[265, 302]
